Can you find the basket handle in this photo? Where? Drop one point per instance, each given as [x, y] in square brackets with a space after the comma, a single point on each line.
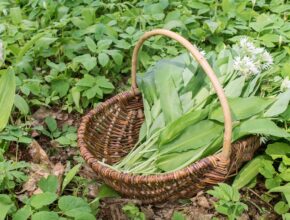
[226, 151]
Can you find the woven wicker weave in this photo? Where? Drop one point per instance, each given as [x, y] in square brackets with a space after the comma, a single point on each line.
[108, 132]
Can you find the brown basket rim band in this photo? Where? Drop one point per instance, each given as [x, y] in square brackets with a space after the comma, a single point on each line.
[226, 151]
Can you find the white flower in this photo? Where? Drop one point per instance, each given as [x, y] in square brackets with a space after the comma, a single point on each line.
[245, 66]
[267, 60]
[1, 51]
[285, 84]
[248, 46]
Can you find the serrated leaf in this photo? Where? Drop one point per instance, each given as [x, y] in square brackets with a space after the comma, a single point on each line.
[103, 59]
[91, 44]
[86, 60]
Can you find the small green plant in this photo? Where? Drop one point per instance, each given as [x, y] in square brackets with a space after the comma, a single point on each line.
[274, 167]
[49, 205]
[11, 174]
[133, 212]
[67, 136]
[228, 202]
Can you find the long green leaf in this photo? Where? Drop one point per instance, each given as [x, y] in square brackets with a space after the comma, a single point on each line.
[176, 127]
[259, 126]
[193, 137]
[280, 105]
[7, 93]
[169, 98]
[248, 172]
[243, 108]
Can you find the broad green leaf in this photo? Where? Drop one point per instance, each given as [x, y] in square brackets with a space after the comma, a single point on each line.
[103, 59]
[107, 192]
[259, 126]
[49, 184]
[23, 213]
[175, 128]
[267, 169]
[21, 104]
[181, 159]
[7, 94]
[117, 56]
[283, 189]
[43, 199]
[280, 105]
[234, 88]
[45, 215]
[170, 102]
[278, 150]
[79, 214]
[273, 182]
[60, 86]
[91, 44]
[193, 137]
[281, 207]
[6, 205]
[70, 175]
[248, 172]
[16, 16]
[51, 124]
[67, 203]
[243, 108]
[285, 175]
[212, 25]
[76, 96]
[178, 216]
[86, 60]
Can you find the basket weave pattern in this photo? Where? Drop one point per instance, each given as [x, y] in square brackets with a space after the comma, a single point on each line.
[108, 132]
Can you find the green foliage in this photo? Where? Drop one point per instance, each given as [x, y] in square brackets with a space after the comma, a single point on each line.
[65, 137]
[229, 202]
[44, 206]
[133, 212]
[11, 174]
[7, 93]
[274, 167]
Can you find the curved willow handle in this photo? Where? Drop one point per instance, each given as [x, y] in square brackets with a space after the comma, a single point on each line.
[226, 152]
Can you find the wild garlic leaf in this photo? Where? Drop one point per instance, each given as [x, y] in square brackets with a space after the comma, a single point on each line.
[248, 172]
[193, 137]
[7, 91]
[169, 98]
[280, 105]
[234, 88]
[243, 108]
[259, 126]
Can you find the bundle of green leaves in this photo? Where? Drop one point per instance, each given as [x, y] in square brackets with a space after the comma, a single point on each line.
[183, 120]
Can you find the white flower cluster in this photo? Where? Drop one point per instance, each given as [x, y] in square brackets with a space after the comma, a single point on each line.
[251, 60]
[285, 84]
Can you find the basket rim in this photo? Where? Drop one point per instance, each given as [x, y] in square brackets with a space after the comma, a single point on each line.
[131, 177]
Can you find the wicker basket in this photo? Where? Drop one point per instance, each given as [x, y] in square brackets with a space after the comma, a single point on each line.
[108, 132]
